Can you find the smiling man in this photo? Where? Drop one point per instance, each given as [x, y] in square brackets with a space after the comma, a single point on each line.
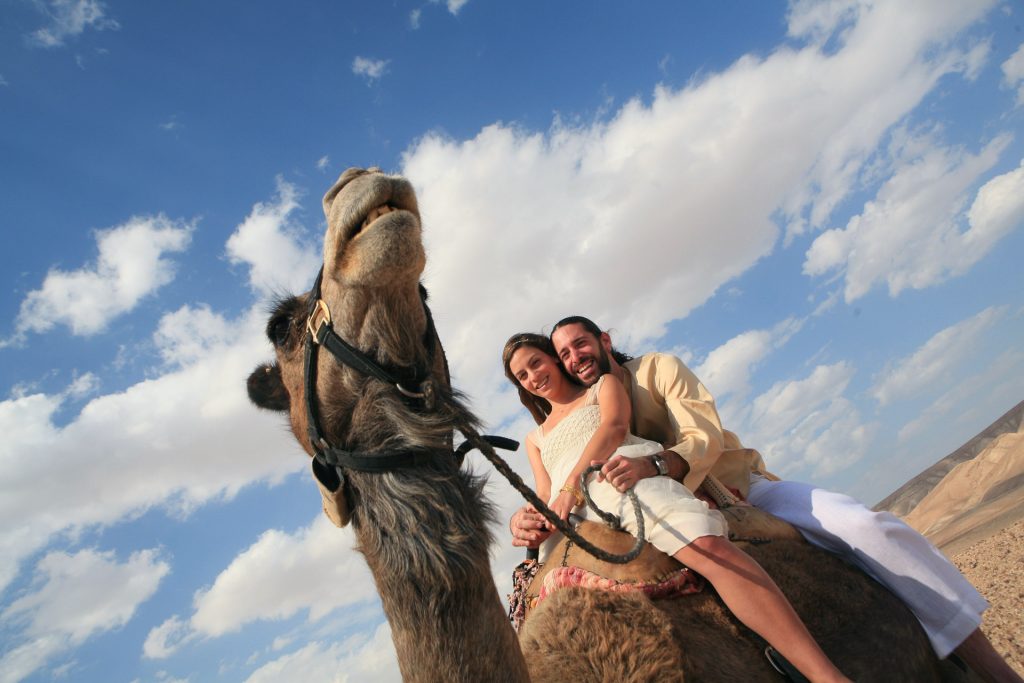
[671, 406]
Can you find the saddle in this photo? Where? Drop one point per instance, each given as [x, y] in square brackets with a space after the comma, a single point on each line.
[651, 569]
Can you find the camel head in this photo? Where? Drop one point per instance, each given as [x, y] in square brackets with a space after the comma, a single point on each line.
[373, 259]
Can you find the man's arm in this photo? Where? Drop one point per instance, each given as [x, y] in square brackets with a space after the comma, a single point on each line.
[692, 416]
[677, 467]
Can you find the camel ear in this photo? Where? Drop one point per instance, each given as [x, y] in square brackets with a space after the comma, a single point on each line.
[266, 388]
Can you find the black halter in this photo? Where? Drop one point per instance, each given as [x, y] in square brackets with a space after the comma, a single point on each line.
[319, 332]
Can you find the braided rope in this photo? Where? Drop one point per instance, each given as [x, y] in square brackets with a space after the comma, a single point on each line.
[614, 521]
[528, 493]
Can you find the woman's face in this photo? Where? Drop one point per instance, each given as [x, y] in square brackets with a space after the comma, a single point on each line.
[536, 371]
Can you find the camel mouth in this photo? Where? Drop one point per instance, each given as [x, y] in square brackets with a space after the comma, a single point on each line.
[375, 213]
[371, 220]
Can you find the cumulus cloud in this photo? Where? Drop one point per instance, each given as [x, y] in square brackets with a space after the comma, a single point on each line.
[130, 266]
[370, 69]
[910, 235]
[726, 370]
[357, 659]
[932, 362]
[180, 419]
[273, 245]
[316, 569]
[414, 18]
[807, 425]
[1013, 73]
[58, 614]
[70, 18]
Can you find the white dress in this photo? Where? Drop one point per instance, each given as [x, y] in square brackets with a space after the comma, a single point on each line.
[673, 517]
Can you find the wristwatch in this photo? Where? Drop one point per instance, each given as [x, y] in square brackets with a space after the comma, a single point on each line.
[660, 465]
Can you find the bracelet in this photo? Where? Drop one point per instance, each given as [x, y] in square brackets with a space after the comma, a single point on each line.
[580, 500]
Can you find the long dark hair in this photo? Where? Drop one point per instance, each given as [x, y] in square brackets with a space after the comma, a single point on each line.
[539, 407]
[591, 327]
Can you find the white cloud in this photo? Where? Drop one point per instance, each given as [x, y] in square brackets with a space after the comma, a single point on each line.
[974, 400]
[910, 234]
[372, 69]
[70, 18]
[323, 162]
[166, 638]
[932, 363]
[179, 422]
[131, 265]
[59, 613]
[455, 5]
[817, 20]
[726, 370]
[807, 427]
[414, 18]
[357, 659]
[273, 245]
[82, 385]
[1013, 73]
[635, 221]
[186, 335]
[315, 569]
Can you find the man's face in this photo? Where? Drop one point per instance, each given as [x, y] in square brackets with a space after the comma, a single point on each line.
[583, 355]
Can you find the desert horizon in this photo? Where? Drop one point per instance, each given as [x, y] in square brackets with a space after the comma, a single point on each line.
[970, 504]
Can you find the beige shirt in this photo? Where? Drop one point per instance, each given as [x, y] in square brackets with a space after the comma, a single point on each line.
[671, 406]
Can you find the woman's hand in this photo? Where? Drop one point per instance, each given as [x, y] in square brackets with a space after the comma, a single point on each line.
[624, 473]
[564, 504]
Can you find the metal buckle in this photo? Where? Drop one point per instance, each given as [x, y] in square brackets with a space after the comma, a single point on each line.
[320, 316]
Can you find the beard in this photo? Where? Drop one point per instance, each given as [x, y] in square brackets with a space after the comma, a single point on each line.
[604, 366]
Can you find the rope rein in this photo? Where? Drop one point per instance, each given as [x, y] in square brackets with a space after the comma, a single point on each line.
[530, 495]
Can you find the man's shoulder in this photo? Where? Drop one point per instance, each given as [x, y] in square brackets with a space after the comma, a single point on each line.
[654, 360]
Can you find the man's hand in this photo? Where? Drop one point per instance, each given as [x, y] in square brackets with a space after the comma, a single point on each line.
[529, 528]
[624, 473]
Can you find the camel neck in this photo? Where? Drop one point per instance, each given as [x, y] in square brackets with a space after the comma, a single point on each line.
[426, 540]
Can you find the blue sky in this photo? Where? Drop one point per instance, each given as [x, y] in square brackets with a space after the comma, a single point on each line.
[817, 205]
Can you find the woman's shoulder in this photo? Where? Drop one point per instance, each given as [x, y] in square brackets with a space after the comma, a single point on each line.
[536, 436]
[594, 391]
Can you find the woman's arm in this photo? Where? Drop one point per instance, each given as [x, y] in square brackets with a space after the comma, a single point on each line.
[541, 479]
[615, 412]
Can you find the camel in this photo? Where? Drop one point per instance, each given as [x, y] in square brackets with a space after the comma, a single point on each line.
[423, 526]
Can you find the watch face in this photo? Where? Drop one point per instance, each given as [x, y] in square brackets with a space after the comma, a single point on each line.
[660, 465]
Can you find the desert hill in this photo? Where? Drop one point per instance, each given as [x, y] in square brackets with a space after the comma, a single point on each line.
[908, 496]
[971, 505]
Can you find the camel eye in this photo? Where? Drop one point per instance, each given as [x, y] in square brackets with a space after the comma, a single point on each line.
[278, 329]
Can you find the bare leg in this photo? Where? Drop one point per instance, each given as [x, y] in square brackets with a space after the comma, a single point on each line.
[978, 653]
[756, 601]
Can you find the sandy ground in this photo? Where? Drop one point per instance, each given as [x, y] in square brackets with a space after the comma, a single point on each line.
[996, 567]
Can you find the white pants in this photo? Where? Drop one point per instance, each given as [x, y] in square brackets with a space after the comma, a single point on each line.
[947, 605]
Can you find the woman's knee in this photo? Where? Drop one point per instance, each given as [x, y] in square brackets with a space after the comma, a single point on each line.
[707, 553]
